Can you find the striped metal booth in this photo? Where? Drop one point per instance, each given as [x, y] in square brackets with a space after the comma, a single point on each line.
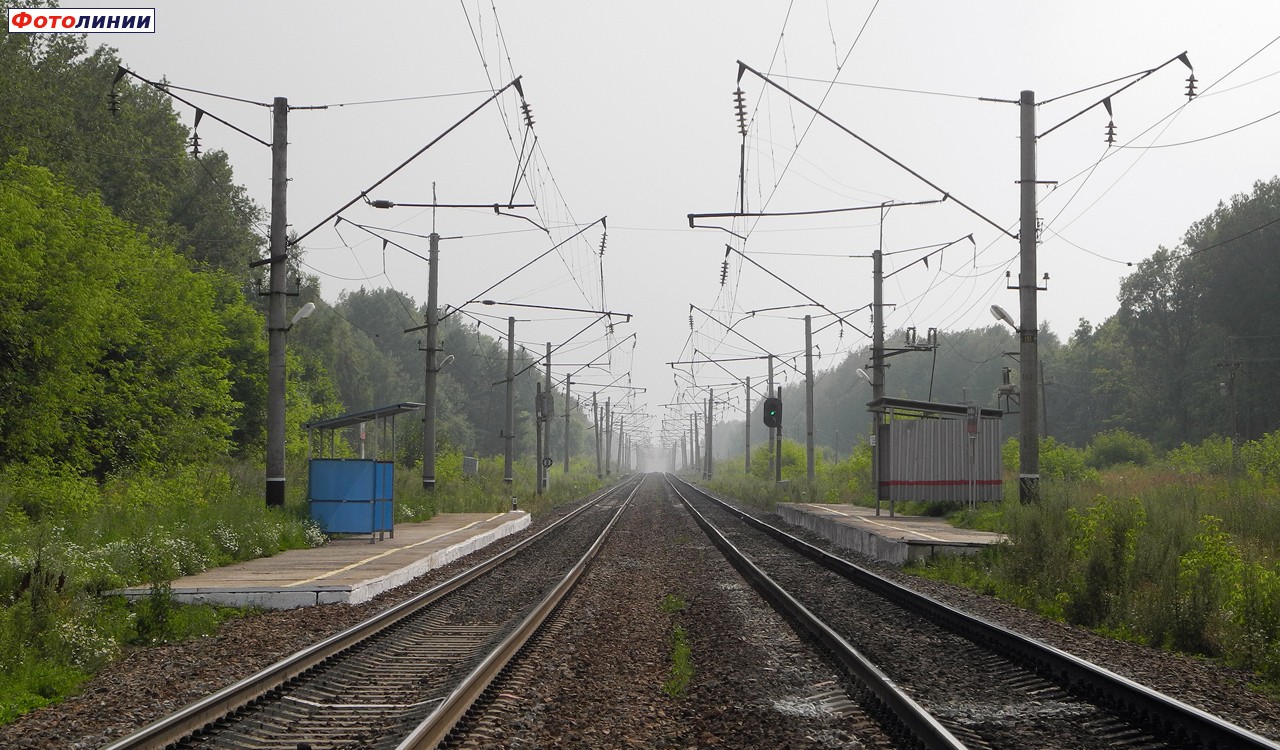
[934, 452]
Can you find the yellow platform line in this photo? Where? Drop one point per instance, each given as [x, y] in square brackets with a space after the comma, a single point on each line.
[877, 523]
[390, 552]
[905, 531]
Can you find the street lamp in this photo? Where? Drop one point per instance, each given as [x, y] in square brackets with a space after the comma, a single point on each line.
[999, 313]
[302, 313]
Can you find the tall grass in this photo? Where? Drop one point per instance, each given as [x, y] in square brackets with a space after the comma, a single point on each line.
[66, 540]
[1173, 554]
[1176, 551]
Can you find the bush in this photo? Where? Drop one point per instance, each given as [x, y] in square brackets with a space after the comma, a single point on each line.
[1118, 447]
[848, 480]
[1058, 461]
[1261, 457]
[1103, 540]
[1212, 457]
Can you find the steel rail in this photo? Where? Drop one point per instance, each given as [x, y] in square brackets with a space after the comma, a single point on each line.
[911, 715]
[436, 727]
[169, 729]
[1161, 712]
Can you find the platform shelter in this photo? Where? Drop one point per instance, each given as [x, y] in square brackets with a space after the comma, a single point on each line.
[354, 495]
[931, 451]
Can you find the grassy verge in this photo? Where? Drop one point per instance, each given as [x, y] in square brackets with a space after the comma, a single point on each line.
[1176, 552]
[66, 540]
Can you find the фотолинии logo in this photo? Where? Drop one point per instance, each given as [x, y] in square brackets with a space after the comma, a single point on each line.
[82, 20]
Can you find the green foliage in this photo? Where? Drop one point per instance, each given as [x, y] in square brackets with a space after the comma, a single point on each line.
[671, 604]
[64, 541]
[1210, 457]
[1209, 575]
[1157, 559]
[113, 355]
[847, 480]
[681, 663]
[1118, 447]
[1103, 540]
[1261, 457]
[1058, 461]
[681, 671]
[794, 462]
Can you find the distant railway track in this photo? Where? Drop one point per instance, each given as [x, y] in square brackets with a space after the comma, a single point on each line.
[403, 677]
[949, 677]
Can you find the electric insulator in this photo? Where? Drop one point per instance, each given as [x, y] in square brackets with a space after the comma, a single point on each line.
[195, 145]
[113, 103]
[724, 272]
[603, 238]
[690, 321]
[528, 114]
[1111, 132]
[740, 107]
[1191, 86]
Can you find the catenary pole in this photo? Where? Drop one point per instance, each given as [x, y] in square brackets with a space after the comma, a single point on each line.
[608, 436]
[509, 429]
[877, 358]
[808, 395]
[276, 303]
[432, 368]
[746, 426]
[772, 434]
[777, 459]
[546, 421]
[595, 408]
[1028, 434]
[568, 381]
[711, 400]
[537, 427]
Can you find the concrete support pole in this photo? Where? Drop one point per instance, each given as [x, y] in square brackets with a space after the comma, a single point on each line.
[746, 426]
[877, 360]
[694, 421]
[711, 400]
[772, 432]
[777, 461]
[595, 409]
[546, 421]
[432, 367]
[1028, 359]
[808, 396]
[618, 463]
[509, 428]
[567, 404]
[537, 427]
[276, 301]
[608, 436]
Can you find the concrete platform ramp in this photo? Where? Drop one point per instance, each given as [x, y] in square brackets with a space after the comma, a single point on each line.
[347, 570]
[894, 539]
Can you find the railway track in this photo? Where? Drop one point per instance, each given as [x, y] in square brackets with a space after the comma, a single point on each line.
[961, 679]
[402, 678]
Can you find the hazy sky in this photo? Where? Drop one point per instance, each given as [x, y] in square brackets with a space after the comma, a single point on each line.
[634, 119]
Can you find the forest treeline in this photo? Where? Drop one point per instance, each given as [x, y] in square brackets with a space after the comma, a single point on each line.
[132, 331]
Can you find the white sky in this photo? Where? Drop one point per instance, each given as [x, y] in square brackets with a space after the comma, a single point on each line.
[634, 119]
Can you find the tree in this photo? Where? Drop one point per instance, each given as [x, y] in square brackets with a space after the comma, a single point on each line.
[112, 352]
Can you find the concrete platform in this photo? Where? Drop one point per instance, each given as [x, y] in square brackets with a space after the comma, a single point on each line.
[348, 570]
[898, 539]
